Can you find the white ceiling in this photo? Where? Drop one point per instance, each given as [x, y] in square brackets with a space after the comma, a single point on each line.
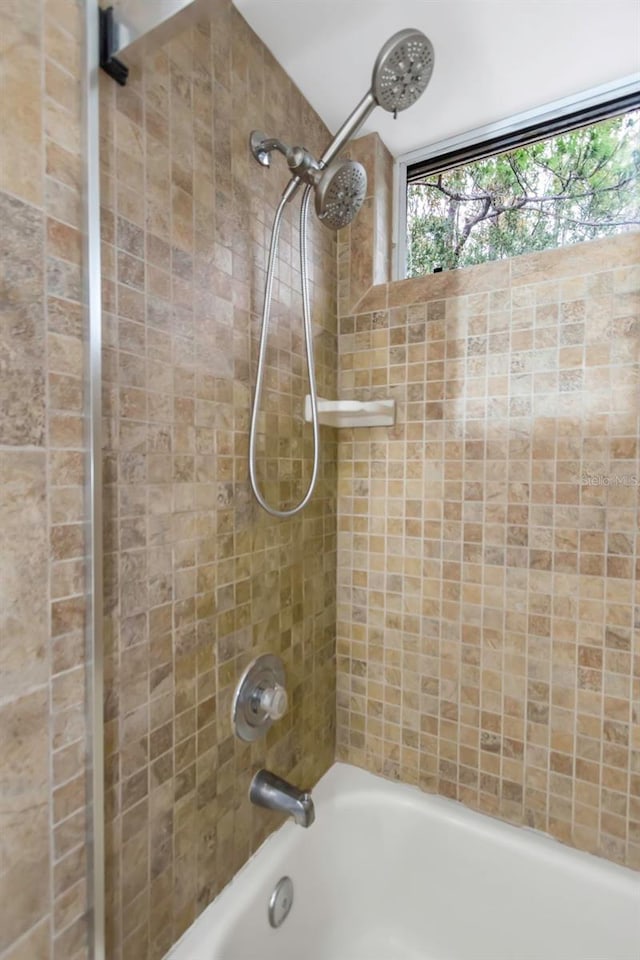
[493, 58]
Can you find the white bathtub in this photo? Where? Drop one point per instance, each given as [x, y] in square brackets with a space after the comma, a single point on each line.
[389, 873]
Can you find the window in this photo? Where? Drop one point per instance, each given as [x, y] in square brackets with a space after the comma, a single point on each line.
[563, 179]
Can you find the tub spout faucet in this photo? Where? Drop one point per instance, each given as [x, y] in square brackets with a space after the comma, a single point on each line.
[272, 792]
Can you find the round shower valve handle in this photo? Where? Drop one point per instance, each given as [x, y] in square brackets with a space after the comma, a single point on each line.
[260, 698]
[274, 701]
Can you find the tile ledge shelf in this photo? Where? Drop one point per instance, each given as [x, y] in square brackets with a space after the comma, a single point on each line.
[352, 413]
[605, 253]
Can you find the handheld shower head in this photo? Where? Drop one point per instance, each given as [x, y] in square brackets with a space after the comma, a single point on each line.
[402, 70]
[401, 73]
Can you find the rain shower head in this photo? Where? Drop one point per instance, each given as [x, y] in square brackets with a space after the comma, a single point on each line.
[402, 70]
[339, 186]
[340, 192]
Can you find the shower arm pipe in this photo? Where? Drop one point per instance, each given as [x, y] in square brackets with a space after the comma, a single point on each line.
[348, 130]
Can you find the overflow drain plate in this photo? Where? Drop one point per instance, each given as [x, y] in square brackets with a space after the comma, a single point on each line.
[280, 901]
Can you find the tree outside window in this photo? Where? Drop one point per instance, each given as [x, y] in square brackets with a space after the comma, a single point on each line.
[577, 186]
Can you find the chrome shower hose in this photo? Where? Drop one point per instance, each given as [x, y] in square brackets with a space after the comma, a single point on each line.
[308, 339]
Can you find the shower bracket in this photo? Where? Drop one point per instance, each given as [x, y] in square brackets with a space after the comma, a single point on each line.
[142, 25]
[301, 163]
[109, 45]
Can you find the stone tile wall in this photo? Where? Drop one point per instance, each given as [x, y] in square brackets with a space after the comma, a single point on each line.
[199, 579]
[43, 884]
[488, 577]
[489, 543]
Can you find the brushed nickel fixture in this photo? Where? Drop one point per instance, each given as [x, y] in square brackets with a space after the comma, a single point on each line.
[260, 698]
[340, 186]
[274, 793]
[400, 76]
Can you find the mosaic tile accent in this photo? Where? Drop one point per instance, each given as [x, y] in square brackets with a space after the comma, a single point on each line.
[489, 544]
[199, 579]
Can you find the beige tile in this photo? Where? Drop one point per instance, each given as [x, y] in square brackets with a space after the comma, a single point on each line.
[22, 249]
[24, 786]
[22, 142]
[472, 547]
[34, 945]
[36, 486]
[22, 392]
[191, 558]
[24, 619]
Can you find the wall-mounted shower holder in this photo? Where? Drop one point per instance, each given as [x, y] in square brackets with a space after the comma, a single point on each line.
[352, 413]
[260, 698]
[301, 163]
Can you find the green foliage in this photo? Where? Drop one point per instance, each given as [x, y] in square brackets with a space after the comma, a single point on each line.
[573, 187]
